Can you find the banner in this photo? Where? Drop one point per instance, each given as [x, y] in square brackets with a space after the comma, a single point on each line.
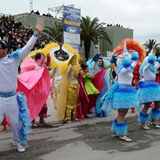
[71, 26]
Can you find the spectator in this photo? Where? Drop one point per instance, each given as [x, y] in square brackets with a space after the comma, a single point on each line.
[37, 12]
[17, 35]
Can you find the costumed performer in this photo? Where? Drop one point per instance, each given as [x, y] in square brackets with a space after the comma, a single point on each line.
[88, 85]
[68, 88]
[149, 91]
[101, 65]
[34, 82]
[12, 104]
[56, 58]
[122, 95]
[136, 46]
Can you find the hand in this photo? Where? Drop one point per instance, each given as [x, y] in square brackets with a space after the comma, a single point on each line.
[38, 27]
[37, 68]
[74, 60]
[97, 51]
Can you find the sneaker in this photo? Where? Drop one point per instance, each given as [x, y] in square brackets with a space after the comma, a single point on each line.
[133, 110]
[125, 138]
[19, 148]
[34, 124]
[154, 125]
[67, 121]
[145, 127]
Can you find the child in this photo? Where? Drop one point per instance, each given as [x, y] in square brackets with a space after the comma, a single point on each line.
[89, 87]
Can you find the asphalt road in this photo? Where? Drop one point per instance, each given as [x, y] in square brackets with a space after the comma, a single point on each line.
[89, 140]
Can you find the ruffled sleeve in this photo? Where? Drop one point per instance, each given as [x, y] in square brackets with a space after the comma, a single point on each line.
[88, 76]
[28, 64]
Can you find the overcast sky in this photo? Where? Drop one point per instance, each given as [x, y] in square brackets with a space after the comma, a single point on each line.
[140, 15]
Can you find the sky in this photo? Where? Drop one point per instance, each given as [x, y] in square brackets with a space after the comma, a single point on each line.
[140, 15]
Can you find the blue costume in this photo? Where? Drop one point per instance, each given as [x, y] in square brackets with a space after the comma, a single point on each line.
[106, 81]
[122, 94]
[149, 90]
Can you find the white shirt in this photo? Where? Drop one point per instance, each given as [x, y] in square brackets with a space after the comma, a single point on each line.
[147, 74]
[125, 75]
[9, 67]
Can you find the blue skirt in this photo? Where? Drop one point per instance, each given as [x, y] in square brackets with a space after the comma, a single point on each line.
[149, 91]
[125, 96]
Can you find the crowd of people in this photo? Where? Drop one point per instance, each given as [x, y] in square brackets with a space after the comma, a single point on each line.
[97, 86]
[16, 35]
[61, 55]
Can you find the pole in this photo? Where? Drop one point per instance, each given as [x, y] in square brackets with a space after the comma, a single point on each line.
[31, 5]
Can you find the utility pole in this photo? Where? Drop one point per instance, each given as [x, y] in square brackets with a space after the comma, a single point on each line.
[31, 5]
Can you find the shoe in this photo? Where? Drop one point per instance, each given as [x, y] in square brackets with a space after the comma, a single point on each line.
[2, 128]
[87, 116]
[154, 125]
[41, 120]
[34, 124]
[76, 119]
[133, 110]
[145, 127]
[125, 138]
[67, 121]
[19, 148]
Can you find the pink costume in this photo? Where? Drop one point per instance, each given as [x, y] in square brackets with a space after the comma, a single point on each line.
[35, 84]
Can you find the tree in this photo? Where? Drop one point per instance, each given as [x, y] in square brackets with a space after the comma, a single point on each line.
[149, 44]
[54, 31]
[157, 51]
[91, 31]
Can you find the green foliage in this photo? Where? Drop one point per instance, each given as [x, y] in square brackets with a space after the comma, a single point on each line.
[92, 31]
[149, 44]
[157, 51]
[55, 31]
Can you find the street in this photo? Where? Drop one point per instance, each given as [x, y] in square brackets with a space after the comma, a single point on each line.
[90, 139]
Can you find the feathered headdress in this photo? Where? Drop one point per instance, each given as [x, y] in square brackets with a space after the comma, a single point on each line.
[131, 45]
[45, 52]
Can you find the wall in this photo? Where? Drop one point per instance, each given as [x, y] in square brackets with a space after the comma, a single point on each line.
[116, 35]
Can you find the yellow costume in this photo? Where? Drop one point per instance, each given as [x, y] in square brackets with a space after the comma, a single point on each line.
[68, 88]
[55, 83]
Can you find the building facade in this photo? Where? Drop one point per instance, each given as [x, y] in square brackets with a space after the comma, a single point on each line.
[115, 33]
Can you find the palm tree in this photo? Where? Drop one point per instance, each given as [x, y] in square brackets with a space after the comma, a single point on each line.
[157, 51]
[91, 31]
[149, 44]
[54, 31]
